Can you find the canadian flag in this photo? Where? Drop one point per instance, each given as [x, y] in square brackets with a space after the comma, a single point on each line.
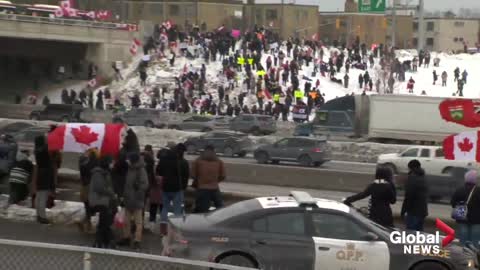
[92, 83]
[59, 13]
[134, 47]
[462, 146]
[72, 12]
[79, 137]
[65, 4]
[91, 15]
[221, 28]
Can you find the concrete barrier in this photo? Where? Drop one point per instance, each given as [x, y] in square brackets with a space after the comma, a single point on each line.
[287, 176]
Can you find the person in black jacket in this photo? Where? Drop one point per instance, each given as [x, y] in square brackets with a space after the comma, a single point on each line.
[382, 193]
[468, 231]
[86, 163]
[174, 170]
[415, 205]
[45, 178]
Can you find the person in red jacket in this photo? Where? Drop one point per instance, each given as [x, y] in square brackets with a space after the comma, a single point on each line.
[410, 85]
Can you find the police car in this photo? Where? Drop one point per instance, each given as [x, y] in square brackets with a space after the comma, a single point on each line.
[299, 232]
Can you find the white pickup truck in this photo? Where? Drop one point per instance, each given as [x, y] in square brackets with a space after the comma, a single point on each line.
[431, 158]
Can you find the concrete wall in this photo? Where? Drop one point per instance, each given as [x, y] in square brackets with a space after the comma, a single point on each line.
[103, 45]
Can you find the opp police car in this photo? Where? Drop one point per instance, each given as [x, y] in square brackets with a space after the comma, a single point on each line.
[299, 232]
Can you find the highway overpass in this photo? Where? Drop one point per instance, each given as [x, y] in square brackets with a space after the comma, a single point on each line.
[53, 38]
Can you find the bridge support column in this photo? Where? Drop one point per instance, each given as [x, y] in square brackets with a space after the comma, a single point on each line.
[104, 54]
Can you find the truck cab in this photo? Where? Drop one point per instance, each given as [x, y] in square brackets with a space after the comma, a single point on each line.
[431, 157]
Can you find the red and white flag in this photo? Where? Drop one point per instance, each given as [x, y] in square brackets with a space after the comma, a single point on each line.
[91, 15]
[92, 83]
[462, 146]
[134, 47]
[79, 137]
[72, 12]
[59, 13]
[221, 28]
[65, 4]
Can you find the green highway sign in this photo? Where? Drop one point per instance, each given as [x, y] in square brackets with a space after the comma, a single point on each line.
[371, 5]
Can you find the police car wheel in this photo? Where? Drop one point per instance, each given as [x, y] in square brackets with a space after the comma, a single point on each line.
[305, 161]
[237, 260]
[262, 157]
[430, 266]
[228, 152]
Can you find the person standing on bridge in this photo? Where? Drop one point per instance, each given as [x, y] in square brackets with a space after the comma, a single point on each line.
[382, 193]
[207, 172]
[415, 205]
[468, 230]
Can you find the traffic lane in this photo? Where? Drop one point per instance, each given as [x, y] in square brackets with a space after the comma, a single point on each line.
[331, 165]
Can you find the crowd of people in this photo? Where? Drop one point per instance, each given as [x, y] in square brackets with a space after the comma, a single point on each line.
[465, 202]
[134, 181]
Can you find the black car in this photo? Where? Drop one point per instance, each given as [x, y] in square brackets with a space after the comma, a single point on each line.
[227, 143]
[14, 127]
[58, 113]
[299, 232]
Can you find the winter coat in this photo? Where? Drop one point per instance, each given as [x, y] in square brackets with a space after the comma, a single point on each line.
[208, 171]
[136, 186]
[175, 172]
[8, 153]
[416, 195]
[382, 194]
[85, 165]
[22, 170]
[45, 170]
[461, 196]
[100, 191]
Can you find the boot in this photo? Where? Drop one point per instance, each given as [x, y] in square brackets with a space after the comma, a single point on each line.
[163, 229]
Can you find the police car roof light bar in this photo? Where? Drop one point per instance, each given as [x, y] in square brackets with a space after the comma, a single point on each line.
[303, 198]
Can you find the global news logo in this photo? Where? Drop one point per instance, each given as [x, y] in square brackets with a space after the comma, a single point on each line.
[419, 243]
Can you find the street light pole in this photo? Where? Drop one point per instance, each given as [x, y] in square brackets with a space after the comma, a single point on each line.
[394, 23]
[421, 25]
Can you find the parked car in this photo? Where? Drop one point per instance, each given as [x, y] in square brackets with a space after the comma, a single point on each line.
[306, 151]
[301, 232]
[141, 117]
[254, 124]
[227, 143]
[202, 123]
[431, 157]
[14, 127]
[58, 112]
[25, 138]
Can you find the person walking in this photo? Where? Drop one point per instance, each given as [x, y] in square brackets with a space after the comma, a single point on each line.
[444, 78]
[174, 170]
[45, 178]
[464, 76]
[456, 73]
[468, 197]
[20, 178]
[102, 200]
[136, 186]
[360, 80]
[345, 80]
[460, 84]
[207, 172]
[415, 205]
[382, 194]
[411, 85]
[86, 163]
[435, 77]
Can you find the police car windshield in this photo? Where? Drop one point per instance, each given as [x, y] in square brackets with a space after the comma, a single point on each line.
[233, 210]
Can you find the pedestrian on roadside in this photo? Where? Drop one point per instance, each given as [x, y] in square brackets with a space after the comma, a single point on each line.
[415, 205]
[103, 200]
[360, 81]
[435, 77]
[382, 194]
[468, 196]
[86, 163]
[444, 78]
[20, 178]
[174, 170]
[135, 190]
[45, 178]
[464, 76]
[207, 172]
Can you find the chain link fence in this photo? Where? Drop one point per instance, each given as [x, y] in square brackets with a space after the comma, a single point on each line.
[21, 255]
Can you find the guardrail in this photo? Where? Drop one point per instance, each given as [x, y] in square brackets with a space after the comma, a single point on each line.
[35, 255]
[67, 22]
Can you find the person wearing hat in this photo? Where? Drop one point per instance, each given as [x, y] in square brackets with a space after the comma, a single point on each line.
[415, 205]
[468, 231]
